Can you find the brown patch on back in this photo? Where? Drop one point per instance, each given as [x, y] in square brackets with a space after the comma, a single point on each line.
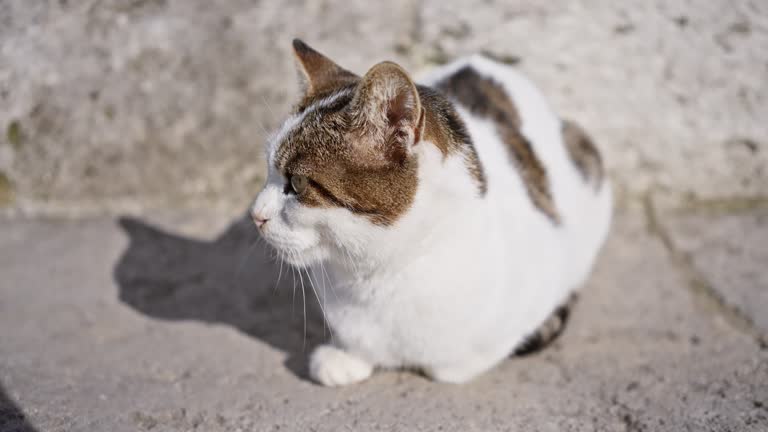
[583, 153]
[447, 131]
[486, 98]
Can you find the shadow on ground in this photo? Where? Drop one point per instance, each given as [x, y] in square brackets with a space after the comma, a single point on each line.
[11, 417]
[232, 280]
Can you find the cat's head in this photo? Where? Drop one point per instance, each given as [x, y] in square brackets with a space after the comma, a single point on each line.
[342, 165]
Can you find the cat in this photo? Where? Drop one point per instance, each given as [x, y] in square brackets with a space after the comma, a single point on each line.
[454, 220]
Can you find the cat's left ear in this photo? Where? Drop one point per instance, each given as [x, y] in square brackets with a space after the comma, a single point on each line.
[387, 104]
[319, 73]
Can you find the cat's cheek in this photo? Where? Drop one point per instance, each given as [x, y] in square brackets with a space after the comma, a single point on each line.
[345, 228]
[300, 223]
[296, 227]
[301, 217]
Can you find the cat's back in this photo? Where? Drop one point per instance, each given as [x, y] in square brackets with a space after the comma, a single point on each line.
[535, 163]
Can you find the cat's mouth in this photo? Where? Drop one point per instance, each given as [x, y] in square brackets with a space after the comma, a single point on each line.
[297, 255]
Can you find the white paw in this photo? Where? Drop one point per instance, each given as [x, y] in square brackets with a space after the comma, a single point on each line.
[333, 367]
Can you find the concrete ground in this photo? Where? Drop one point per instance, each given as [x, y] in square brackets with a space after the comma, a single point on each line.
[173, 319]
[175, 322]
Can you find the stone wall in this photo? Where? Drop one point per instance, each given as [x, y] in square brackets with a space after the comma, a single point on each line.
[119, 105]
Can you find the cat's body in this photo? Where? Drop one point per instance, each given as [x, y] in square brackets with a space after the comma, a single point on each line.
[503, 224]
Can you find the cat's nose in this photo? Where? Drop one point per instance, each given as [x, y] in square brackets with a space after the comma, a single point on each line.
[258, 219]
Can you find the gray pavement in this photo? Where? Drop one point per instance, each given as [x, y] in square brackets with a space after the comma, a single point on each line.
[176, 322]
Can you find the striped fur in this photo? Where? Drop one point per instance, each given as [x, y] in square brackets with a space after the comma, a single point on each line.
[340, 146]
[486, 98]
[549, 330]
[583, 153]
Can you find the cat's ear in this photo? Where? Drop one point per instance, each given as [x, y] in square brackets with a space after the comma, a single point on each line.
[387, 103]
[318, 72]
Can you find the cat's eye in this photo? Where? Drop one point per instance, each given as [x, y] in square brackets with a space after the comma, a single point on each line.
[299, 183]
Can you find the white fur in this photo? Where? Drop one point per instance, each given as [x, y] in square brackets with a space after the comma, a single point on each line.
[332, 366]
[459, 280]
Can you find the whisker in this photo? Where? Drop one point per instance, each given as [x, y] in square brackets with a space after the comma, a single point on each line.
[293, 299]
[267, 104]
[322, 280]
[328, 277]
[279, 273]
[261, 125]
[304, 304]
[320, 303]
[350, 260]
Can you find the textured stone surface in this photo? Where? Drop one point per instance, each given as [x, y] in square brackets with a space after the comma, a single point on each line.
[125, 326]
[117, 104]
[126, 104]
[731, 252]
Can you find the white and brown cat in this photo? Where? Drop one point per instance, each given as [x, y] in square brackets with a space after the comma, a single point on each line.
[454, 218]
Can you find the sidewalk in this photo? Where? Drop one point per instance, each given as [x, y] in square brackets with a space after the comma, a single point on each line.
[172, 323]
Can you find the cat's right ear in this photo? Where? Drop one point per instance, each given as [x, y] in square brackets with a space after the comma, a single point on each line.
[388, 107]
[318, 72]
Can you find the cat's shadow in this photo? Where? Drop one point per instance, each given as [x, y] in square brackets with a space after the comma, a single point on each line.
[232, 280]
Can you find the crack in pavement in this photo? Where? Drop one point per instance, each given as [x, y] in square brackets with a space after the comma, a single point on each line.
[698, 285]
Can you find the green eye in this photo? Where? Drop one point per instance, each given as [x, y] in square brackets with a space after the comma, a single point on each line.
[299, 183]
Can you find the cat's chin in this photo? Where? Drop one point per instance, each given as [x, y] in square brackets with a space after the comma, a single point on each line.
[307, 257]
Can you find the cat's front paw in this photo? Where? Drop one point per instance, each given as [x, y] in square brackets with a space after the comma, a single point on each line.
[333, 367]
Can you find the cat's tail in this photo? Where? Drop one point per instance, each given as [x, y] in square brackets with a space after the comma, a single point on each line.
[549, 330]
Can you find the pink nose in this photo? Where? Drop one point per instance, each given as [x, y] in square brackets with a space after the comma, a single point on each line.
[258, 220]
